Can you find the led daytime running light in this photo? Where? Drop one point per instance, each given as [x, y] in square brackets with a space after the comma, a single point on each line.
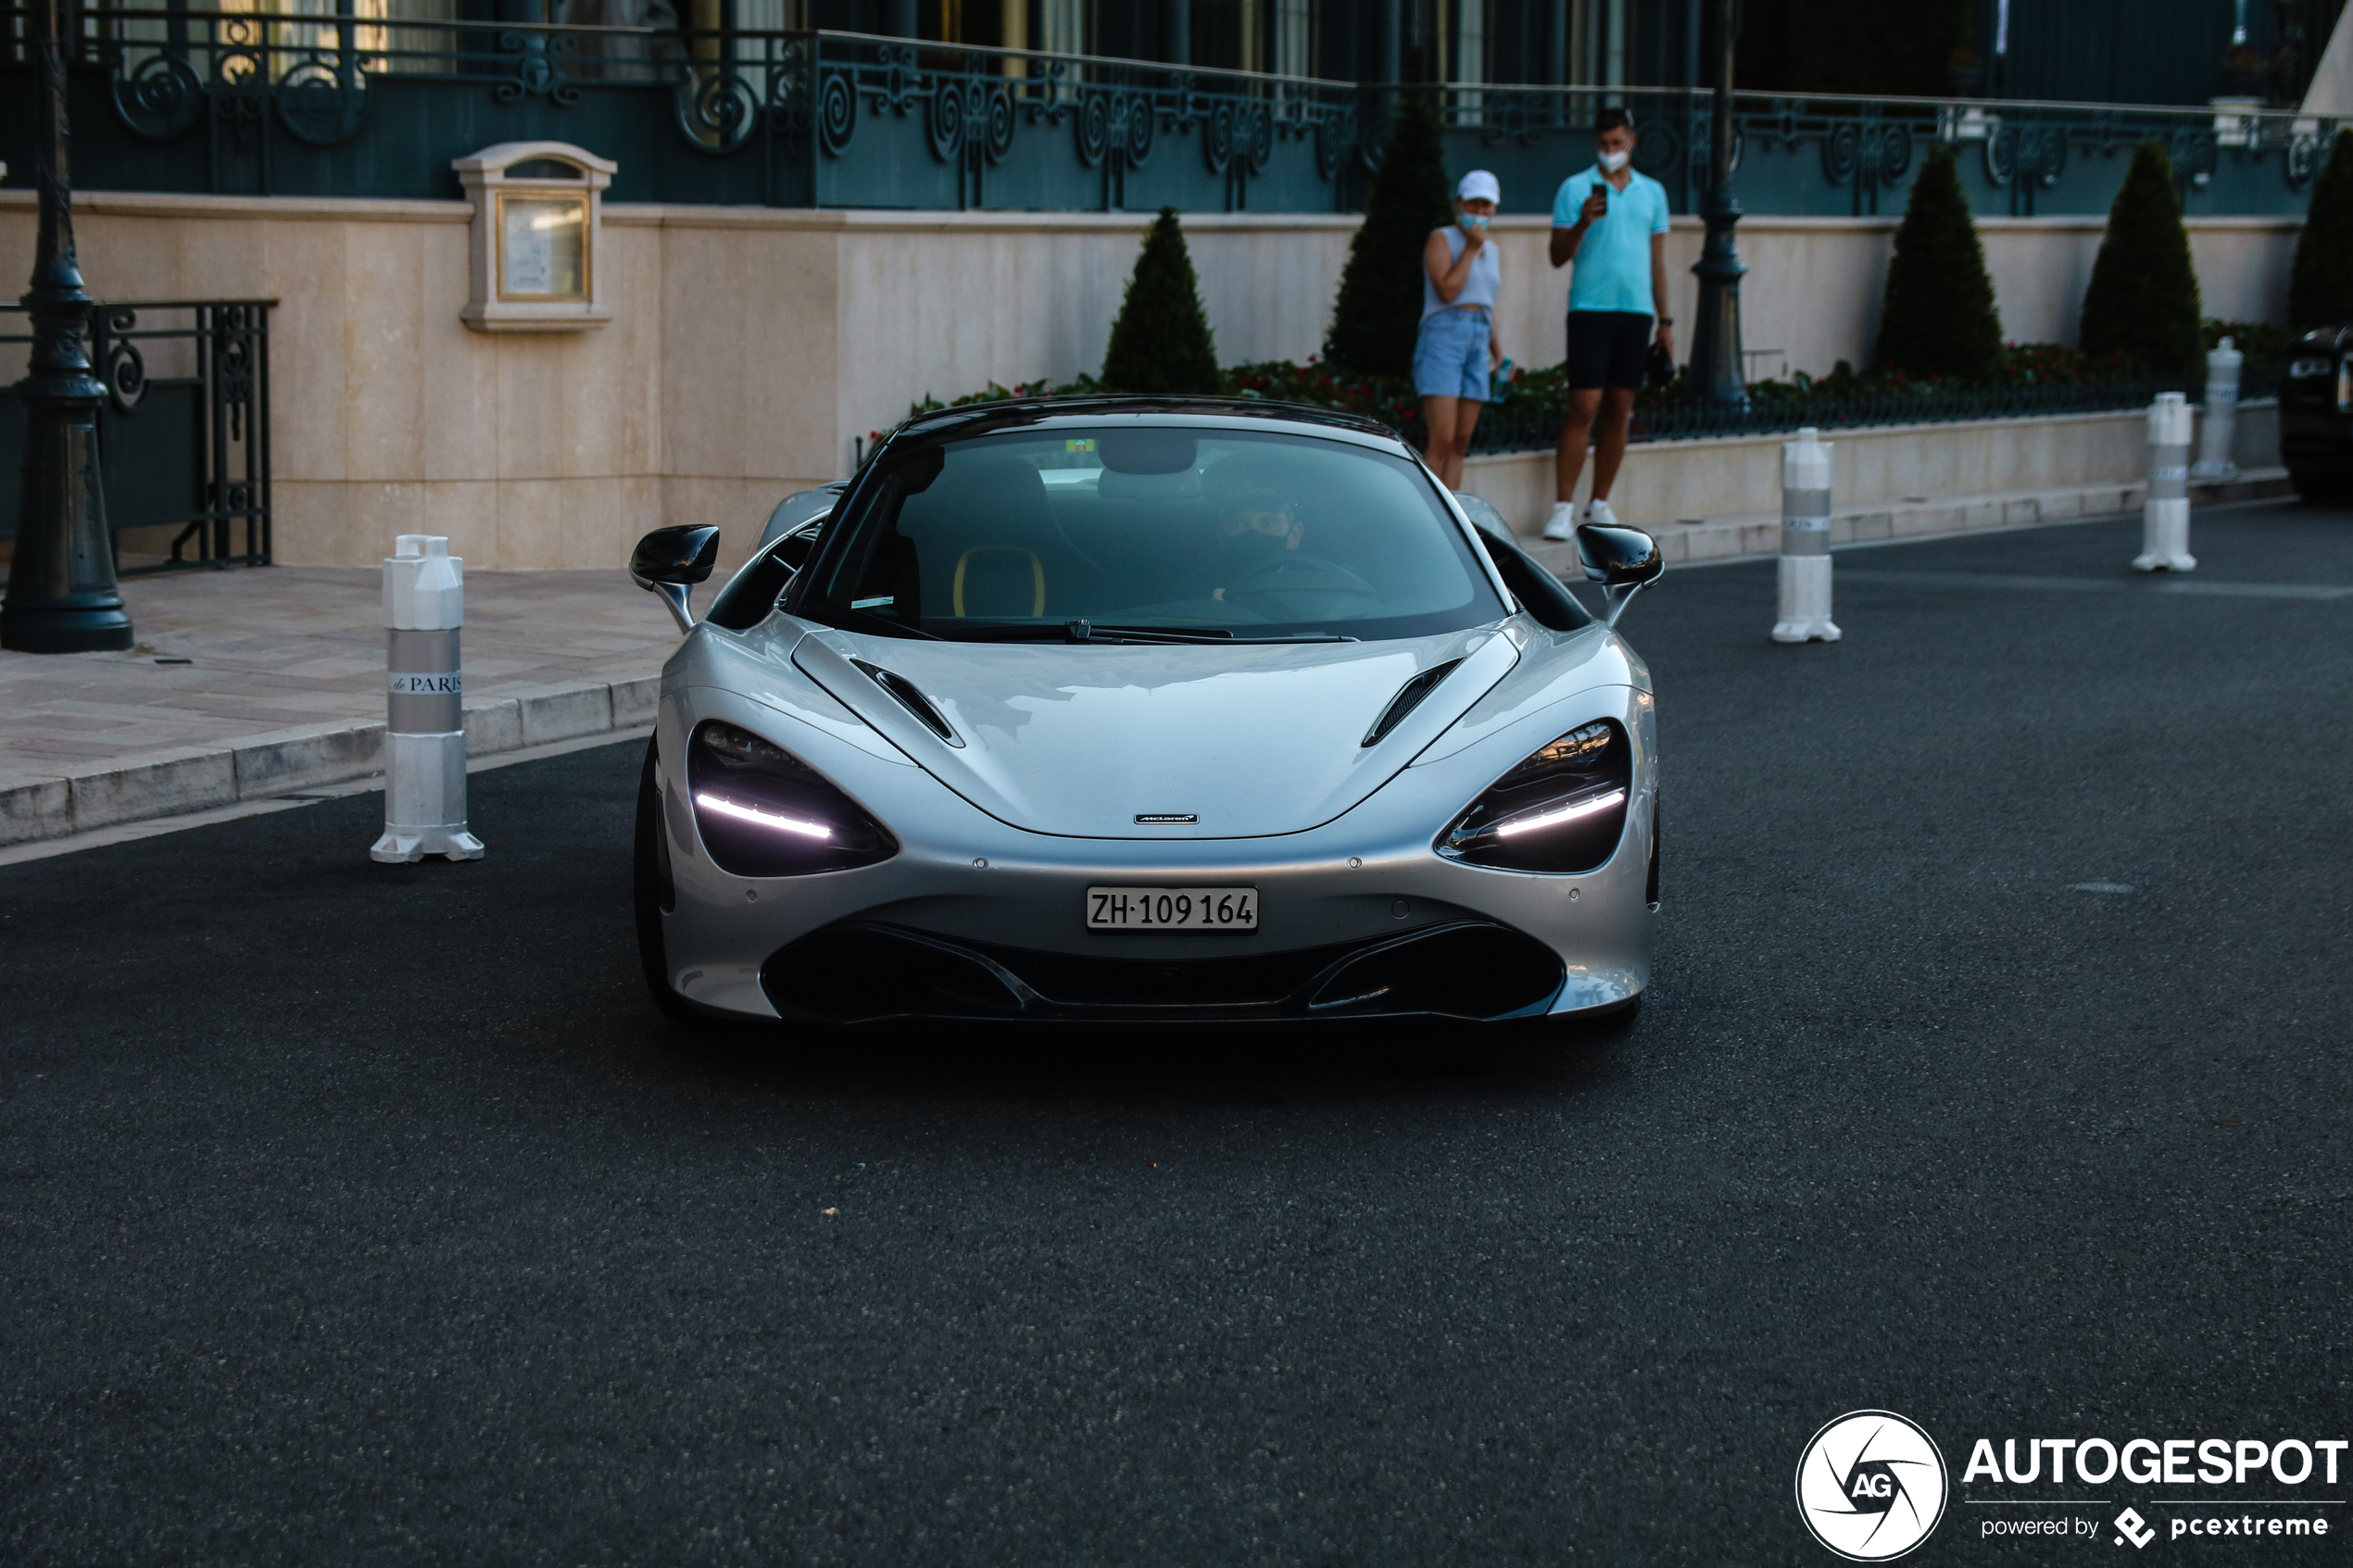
[1559, 814]
[711, 802]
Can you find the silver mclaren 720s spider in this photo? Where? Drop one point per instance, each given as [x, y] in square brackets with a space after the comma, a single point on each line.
[1137, 709]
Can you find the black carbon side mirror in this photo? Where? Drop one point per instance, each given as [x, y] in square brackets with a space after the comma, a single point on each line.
[1623, 561]
[670, 561]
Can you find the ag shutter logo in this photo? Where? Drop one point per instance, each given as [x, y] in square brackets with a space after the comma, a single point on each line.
[1871, 1485]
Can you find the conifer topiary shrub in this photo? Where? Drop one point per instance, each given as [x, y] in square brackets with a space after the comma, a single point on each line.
[1160, 342]
[2320, 286]
[1379, 312]
[1940, 319]
[2142, 303]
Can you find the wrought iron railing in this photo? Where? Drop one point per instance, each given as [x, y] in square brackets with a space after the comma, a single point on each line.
[1835, 155]
[294, 103]
[374, 97]
[183, 435]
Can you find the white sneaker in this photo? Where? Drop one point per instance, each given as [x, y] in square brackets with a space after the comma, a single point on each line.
[1562, 524]
[1598, 513]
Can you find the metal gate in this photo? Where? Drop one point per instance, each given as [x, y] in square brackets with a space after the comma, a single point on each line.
[183, 435]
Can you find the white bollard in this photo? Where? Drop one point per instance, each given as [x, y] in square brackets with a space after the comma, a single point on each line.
[2165, 520]
[2214, 464]
[425, 713]
[1806, 541]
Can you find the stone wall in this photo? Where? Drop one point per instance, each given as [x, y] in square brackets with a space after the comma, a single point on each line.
[750, 348]
[1669, 482]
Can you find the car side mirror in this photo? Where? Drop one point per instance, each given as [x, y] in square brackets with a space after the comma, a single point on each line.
[1623, 561]
[670, 561]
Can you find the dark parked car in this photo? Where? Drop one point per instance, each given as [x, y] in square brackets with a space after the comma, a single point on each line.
[2316, 415]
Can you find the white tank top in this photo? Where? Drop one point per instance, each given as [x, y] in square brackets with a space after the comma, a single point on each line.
[1486, 275]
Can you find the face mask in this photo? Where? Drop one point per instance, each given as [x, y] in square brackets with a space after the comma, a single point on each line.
[1249, 547]
[1471, 221]
[1613, 162]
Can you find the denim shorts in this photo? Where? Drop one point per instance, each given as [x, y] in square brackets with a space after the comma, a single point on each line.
[1450, 358]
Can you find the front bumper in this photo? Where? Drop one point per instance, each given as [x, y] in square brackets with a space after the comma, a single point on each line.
[861, 971]
[977, 918]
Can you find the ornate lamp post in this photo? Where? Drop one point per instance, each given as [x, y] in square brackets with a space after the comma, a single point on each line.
[61, 584]
[1715, 373]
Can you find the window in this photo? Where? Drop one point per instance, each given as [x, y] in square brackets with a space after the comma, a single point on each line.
[1188, 528]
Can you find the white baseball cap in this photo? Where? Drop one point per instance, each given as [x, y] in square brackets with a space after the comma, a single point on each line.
[1478, 186]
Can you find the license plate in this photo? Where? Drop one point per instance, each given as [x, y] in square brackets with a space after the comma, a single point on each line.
[1172, 908]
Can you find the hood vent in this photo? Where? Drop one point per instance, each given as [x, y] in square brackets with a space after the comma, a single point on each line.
[1408, 697]
[907, 697]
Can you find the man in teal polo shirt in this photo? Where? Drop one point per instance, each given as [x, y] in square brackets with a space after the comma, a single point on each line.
[1612, 223]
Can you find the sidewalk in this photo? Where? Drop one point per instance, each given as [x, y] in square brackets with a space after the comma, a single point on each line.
[281, 688]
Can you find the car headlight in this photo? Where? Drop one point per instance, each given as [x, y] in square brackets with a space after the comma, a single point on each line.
[764, 812]
[1561, 810]
[2305, 370]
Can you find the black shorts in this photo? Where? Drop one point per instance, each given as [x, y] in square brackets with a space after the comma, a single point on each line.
[1607, 348]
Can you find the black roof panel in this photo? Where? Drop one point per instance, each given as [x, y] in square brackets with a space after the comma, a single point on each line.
[977, 418]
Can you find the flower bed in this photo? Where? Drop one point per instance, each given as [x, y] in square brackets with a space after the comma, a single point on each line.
[2036, 377]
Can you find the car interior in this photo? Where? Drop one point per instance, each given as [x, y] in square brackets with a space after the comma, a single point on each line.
[1149, 525]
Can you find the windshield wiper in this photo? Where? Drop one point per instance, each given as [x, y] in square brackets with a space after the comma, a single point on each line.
[1215, 638]
[1066, 631]
[1089, 631]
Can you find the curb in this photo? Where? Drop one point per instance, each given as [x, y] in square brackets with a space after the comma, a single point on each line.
[1759, 533]
[281, 762]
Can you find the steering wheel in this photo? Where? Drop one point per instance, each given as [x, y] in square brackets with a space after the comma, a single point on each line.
[1292, 573]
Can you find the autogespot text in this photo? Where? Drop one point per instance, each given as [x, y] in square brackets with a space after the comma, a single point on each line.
[2275, 1470]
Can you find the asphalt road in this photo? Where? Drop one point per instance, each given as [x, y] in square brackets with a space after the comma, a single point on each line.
[359, 1214]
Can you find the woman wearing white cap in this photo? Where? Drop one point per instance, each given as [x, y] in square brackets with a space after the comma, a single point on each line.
[1457, 352]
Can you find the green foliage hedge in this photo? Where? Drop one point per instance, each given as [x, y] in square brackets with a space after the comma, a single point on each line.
[1160, 342]
[1940, 319]
[2142, 304]
[1529, 403]
[1379, 312]
[2320, 287]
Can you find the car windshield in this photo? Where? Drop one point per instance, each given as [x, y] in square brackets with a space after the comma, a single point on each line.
[1157, 532]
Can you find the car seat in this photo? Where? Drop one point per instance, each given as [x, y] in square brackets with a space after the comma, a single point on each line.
[989, 547]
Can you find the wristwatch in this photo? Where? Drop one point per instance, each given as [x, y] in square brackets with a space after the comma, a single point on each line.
[1667, 321]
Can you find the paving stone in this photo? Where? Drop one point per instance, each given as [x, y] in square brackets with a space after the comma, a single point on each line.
[283, 687]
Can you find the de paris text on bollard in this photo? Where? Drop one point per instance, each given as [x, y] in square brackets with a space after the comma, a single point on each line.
[2214, 464]
[1805, 611]
[2165, 520]
[425, 705]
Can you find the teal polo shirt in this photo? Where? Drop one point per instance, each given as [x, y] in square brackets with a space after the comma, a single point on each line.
[1613, 265]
